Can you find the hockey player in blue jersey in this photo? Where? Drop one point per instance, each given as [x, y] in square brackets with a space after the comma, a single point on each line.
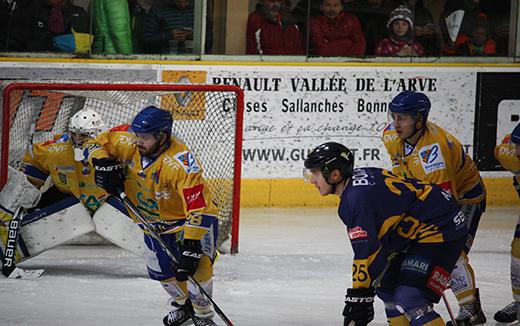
[406, 237]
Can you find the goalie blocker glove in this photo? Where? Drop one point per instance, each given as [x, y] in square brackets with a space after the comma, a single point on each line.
[109, 174]
[190, 255]
[359, 306]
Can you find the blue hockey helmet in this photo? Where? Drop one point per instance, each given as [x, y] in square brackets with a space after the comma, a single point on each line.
[515, 135]
[411, 102]
[152, 120]
[330, 156]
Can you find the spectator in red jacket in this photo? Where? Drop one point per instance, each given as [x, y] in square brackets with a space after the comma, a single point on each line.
[272, 31]
[336, 33]
[400, 41]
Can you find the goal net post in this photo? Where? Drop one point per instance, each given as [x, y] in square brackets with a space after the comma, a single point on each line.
[208, 118]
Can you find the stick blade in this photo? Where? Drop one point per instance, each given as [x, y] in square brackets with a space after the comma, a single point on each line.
[26, 274]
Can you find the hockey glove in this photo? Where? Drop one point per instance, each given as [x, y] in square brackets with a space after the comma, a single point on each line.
[359, 306]
[516, 185]
[190, 255]
[109, 174]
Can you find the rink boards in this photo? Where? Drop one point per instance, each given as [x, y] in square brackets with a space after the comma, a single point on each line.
[290, 107]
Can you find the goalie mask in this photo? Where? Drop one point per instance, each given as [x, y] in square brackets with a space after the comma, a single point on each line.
[83, 125]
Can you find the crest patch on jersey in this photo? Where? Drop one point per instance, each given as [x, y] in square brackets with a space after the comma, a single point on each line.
[194, 197]
[357, 233]
[188, 162]
[431, 158]
[63, 178]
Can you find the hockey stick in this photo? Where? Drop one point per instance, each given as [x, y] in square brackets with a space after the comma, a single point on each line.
[9, 268]
[450, 312]
[151, 230]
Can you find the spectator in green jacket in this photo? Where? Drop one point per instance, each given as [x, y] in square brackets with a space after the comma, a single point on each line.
[112, 30]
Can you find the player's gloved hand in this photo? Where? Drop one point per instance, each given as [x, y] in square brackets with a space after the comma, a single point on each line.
[359, 307]
[109, 174]
[190, 255]
[516, 185]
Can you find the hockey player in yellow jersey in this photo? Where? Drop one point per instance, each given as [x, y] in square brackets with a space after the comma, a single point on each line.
[164, 180]
[508, 154]
[422, 150]
[63, 160]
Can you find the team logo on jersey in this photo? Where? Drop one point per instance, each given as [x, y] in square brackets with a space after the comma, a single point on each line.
[194, 197]
[63, 178]
[357, 233]
[188, 162]
[431, 158]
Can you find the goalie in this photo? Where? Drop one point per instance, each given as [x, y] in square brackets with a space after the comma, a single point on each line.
[164, 180]
[73, 195]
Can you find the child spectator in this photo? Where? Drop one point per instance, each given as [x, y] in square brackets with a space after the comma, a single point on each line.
[336, 33]
[478, 43]
[272, 31]
[400, 41]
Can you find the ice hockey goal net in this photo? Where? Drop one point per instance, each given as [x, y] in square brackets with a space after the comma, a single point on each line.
[208, 118]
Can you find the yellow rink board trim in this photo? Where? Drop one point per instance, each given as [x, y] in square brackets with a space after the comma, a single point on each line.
[209, 62]
[296, 193]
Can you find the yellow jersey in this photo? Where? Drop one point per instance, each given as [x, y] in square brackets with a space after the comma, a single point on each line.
[56, 158]
[169, 191]
[438, 157]
[505, 154]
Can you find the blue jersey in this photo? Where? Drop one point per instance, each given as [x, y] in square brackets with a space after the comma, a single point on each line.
[385, 213]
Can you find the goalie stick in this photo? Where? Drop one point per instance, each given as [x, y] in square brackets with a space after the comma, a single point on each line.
[151, 230]
[9, 268]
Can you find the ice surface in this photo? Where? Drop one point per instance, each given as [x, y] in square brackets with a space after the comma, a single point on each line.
[293, 268]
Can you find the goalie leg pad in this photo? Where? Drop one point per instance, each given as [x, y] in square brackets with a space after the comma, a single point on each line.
[113, 223]
[54, 225]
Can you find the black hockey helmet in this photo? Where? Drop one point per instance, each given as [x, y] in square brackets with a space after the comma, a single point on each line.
[330, 156]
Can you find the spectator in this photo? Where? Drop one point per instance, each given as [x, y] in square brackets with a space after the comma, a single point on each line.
[400, 41]
[372, 15]
[138, 12]
[58, 25]
[426, 31]
[168, 28]
[478, 43]
[112, 31]
[471, 10]
[336, 33]
[272, 31]
[14, 26]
